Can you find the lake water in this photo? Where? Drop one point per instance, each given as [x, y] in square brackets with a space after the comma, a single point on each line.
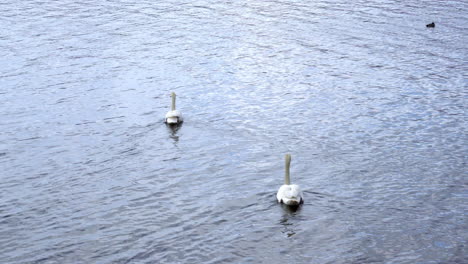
[370, 103]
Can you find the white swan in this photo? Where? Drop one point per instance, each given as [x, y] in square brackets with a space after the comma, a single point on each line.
[174, 116]
[289, 194]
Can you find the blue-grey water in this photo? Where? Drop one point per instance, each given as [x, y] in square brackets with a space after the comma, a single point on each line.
[370, 103]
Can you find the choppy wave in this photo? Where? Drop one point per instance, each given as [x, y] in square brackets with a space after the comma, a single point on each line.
[369, 101]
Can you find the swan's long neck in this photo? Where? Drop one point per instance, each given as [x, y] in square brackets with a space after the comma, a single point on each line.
[173, 95]
[287, 181]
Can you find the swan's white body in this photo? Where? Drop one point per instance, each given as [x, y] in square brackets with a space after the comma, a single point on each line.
[174, 116]
[289, 194]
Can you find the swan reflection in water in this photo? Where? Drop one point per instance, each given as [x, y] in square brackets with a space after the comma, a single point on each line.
[173, 129]
[289, 213]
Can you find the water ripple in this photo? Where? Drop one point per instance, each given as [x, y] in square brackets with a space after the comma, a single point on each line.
[368, 100]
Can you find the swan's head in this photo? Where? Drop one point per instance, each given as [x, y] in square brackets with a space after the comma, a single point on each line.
[289, 194]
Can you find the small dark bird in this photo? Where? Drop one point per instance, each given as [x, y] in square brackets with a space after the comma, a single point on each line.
[430, 25]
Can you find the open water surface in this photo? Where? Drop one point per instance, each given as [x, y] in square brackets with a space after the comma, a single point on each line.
[370, 103]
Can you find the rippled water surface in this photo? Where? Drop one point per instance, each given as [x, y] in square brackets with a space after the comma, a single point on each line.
[369, 102]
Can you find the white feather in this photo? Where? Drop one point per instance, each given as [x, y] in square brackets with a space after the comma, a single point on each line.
[174, 116]
[289, 194]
